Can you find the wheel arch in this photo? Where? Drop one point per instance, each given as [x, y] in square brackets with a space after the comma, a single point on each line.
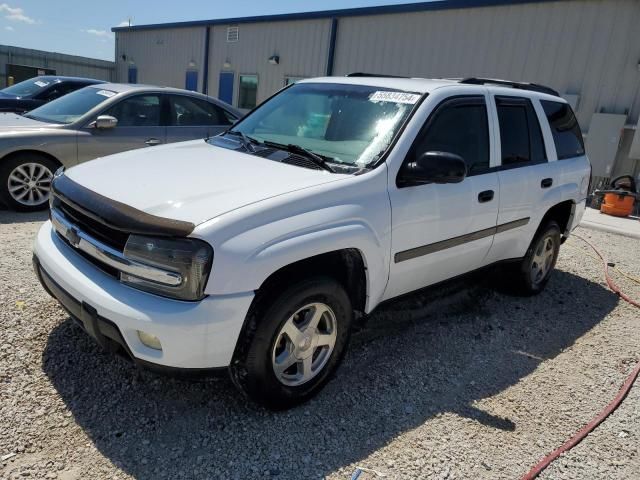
[561, 213]
[346, 265]
[30, 151]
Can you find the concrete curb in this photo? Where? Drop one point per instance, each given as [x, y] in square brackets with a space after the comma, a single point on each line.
[610, 229]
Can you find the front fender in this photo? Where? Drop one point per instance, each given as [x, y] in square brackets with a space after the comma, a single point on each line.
[252, 247]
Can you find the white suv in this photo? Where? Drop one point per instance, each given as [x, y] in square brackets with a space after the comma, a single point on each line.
[256, 249]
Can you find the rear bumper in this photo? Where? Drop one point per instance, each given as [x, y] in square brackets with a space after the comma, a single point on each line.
[194, 335]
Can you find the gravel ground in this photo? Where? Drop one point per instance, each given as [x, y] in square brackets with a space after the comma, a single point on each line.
[463, 382]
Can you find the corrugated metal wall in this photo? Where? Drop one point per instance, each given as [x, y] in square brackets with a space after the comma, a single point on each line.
[301, 45]
[63, 64]
[585, 47]
[162, 56]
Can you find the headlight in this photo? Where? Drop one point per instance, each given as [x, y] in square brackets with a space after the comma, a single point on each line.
[188, 257]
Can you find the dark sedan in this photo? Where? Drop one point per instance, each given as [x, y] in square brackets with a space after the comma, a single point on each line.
[32, 93]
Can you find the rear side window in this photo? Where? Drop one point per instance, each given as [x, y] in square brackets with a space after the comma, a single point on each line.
[565, 129]
[189, 112]
[459, 126]
[520, 134]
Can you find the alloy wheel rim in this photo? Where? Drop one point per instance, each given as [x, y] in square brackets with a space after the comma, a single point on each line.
[542, 260]
[29, 184]
[304, 344]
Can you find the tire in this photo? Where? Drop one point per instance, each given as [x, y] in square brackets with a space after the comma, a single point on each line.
[25, 180]
[265, 342]
[532, 274]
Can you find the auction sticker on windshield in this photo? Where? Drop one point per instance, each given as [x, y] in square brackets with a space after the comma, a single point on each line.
[395, 97]
[106, 93]
[40, 83]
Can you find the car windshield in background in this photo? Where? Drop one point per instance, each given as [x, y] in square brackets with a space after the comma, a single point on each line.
[349, 124]
[69, 108]
[27, 88]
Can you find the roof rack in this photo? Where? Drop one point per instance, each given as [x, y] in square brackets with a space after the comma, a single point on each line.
[534, 87]
[377, 75]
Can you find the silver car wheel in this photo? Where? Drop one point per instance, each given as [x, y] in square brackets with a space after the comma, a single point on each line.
[542, 260]
[304, 344]
[29, 184]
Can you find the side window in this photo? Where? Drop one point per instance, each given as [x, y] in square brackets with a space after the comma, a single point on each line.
[459, 126]
[565, 129]
[520, 134]
[138, 111]
[189, 112]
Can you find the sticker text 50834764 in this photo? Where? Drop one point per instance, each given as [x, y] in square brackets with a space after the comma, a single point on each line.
[394, 97]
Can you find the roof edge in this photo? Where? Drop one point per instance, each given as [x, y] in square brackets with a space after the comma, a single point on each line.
[347, 12]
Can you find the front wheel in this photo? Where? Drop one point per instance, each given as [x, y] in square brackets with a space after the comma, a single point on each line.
[291, 346]
[535, 269]
[25, 182]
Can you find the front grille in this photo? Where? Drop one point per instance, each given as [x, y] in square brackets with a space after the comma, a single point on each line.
[110, 236]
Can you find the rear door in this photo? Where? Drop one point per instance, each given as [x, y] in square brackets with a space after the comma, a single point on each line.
[524, 175]
[191, 118]
[443, 230]
[140, 125]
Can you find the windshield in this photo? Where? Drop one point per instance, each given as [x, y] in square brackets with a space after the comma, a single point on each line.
[71, 107]
[28, 88]
[349, 124]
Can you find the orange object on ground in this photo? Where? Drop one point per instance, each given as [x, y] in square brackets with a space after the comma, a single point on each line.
[618, 204]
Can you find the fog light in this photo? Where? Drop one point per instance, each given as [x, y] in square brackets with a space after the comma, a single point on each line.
[149, 340]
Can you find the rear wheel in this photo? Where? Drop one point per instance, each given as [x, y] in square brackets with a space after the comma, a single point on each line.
[291, 345]
[25, 181]
[536, 267]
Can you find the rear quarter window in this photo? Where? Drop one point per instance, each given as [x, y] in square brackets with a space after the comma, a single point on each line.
[565, 129]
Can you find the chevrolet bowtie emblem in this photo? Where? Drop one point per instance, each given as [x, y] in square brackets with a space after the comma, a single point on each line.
[73, 237]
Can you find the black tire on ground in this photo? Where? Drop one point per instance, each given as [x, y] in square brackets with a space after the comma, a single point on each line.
[9, 165]
[523, 279]
[252, 369]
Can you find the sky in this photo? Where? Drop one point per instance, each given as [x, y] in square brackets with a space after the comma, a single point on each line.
[83, 27]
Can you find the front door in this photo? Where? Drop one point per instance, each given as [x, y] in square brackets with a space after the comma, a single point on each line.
[440, 231]
[139, 126]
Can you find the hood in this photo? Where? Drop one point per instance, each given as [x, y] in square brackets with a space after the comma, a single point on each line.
[13, 121]
[6, 96]
[193, 181]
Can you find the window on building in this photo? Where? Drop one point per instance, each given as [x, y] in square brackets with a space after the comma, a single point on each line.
[187, 112]
[520, 135]
[248, 91]
[565, 129]
[459, 126]
[138, 111]
[290, 80]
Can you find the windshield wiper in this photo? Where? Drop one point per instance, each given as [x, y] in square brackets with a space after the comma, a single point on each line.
[293, 148]
[247, 142]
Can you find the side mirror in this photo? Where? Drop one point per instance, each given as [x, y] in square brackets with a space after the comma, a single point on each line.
[104, 122]
[433, 167]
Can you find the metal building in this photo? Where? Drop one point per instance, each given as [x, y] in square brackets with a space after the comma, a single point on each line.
[24, 63]
[586, 49]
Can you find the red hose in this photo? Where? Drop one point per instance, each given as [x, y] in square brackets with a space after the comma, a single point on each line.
[615, 403]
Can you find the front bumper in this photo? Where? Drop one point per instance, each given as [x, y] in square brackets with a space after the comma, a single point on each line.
[194, 335]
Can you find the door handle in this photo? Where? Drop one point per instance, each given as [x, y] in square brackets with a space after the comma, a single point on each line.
[153, 141]
[546, 183]
[485, 196]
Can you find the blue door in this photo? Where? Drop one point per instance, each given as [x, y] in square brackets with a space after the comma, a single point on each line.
[191, 81]
[225, 87]
[133, 74]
